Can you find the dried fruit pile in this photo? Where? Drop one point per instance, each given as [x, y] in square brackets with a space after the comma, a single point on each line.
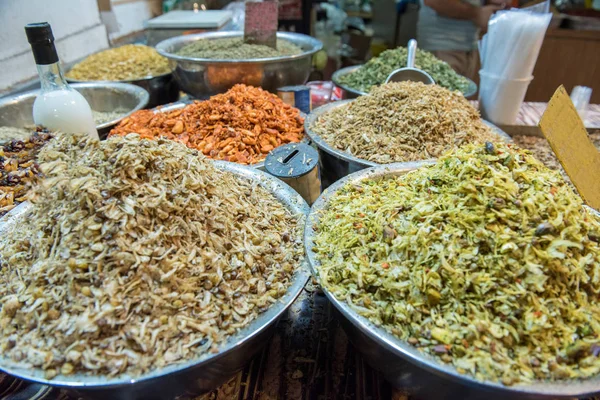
[124, 63]
[486, 260]
[242, 125]
[19, 170]
[138, 254]
[406, 121]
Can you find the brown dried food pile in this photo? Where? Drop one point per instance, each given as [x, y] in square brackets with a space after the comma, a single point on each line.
[19, 170]
[405, 121]
[242, 125]
[138, 254]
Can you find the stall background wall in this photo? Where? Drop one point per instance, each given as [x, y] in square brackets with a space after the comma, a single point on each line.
[78, 29]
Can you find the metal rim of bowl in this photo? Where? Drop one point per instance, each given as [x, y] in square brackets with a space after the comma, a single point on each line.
[259, 165]
[470, 91]
[140, 93]
[163, 46]
[291, 200]
[340, 154]
[401, 349]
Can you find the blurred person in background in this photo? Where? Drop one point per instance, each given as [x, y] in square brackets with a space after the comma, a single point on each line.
[450, 30]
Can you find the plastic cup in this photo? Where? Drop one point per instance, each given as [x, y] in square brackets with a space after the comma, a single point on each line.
[500, 99]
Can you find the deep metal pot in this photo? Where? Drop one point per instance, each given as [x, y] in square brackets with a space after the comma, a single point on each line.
[17, 110]
[203, 77]
[162, 89]
[195, 376]
[421, 376]
[354, 93]
[336, 164]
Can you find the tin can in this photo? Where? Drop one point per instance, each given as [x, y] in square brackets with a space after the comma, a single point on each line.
[296, 96]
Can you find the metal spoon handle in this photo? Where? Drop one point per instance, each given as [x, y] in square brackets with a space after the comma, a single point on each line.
[412, 53]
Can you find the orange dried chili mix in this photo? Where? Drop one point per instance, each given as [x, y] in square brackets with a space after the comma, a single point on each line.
[242, 125]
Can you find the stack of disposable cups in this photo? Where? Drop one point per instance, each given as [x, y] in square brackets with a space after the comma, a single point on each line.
[508, 54]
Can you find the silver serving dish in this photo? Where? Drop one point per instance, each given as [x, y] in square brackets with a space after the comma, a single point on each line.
[163, 89]
[180, 104]
[203, 77]
[353, 93]
[194, 376]
[17, 110]
[419, 374]
[336, 164]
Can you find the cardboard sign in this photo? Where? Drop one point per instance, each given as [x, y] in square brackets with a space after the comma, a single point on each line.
[260, 24]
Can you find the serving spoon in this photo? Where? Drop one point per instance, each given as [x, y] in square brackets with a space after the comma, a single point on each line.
[410, 73]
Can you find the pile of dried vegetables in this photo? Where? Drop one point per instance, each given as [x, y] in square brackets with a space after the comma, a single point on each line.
[19, 170]
[241, 125]
[236, 49]
[138, 254]
[124, 63]
[403, 121]
[486, 260]
[377, 69]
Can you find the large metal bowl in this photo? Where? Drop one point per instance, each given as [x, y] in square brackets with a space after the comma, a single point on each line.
[180, 104]
[17, 110]
[335, 163]
[354, 93]
[419, 374]
[203, 77]
[195, 376]
[162, 89]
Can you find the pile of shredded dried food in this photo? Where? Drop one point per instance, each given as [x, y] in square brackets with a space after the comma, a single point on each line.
[377, 69]
[486, 260]
[138, 254]
[124, 63]
[405, 121]
[19, 170]
[236, 49]
[241, 125]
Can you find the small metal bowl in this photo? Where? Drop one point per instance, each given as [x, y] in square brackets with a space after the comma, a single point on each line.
[203, 77]
[162, 89]
[335, 163]
[17, 110]
[194, 376]
[354, 93]
[180, 104]
[404, 366]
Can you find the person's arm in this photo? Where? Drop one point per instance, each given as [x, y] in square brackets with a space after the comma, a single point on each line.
[459, 10]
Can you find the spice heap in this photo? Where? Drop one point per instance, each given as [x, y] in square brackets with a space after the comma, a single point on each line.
[102, 117]
[10, 133]
[242, 125]
[486, 260]
[138, 254]
[403, 121]
[236, 49]
[19, 170]
[377, 69]
[129, 62]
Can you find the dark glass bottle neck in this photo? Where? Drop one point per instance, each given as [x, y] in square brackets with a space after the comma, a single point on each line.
[51, 77]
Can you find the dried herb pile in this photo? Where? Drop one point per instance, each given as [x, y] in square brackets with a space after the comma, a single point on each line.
[19, 170]
[403, 121]
[241, 125]
[129, 62]
[236, 49]
[487, 261]
[138, 254]
[377, 69]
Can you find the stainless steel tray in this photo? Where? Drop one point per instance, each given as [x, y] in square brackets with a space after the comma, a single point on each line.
[402, 364]
[196, 375]
[335, 163]
[354, 93]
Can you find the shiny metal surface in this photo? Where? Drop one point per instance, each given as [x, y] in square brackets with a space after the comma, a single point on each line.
[402, 364]
[196, 375]
[163, 89]
[353, 93]
[17, 110]
[410, 73]
[201, 77]
[180, 104]
[336, 164]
